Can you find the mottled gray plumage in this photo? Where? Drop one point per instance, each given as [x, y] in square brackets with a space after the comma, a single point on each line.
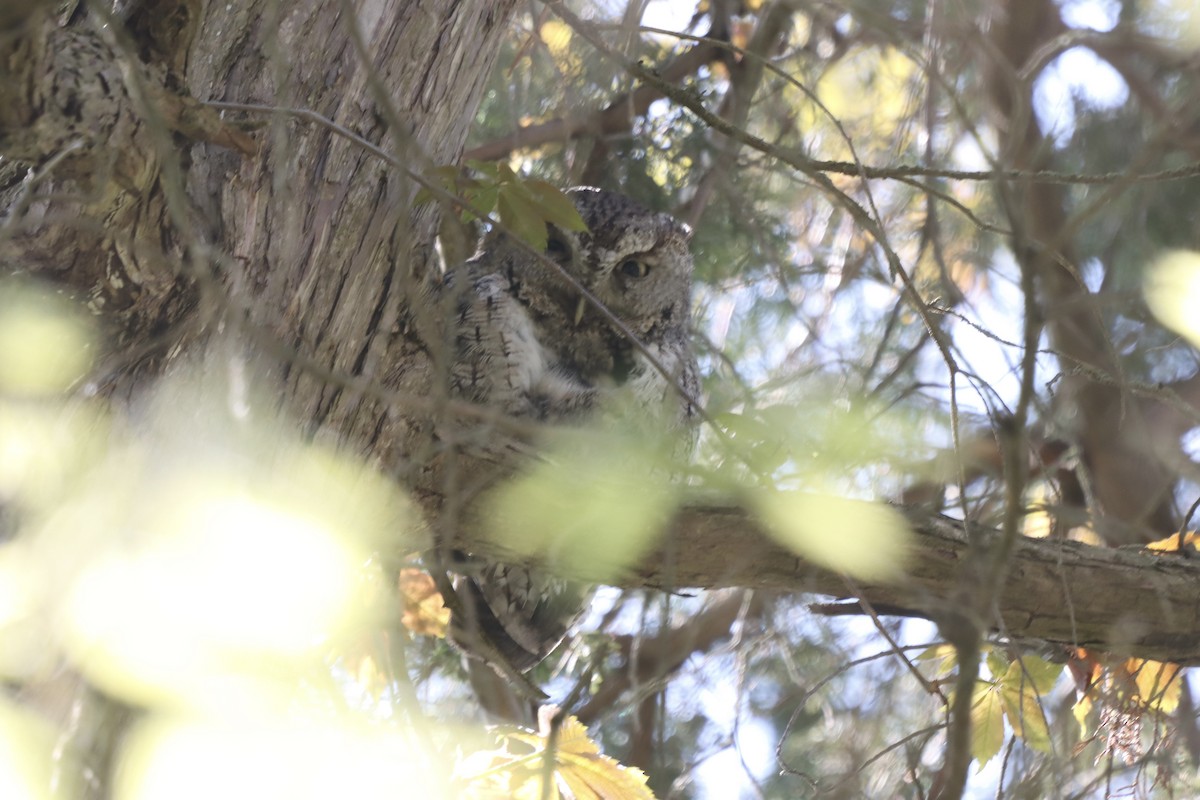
[530, 344]
[527, 341]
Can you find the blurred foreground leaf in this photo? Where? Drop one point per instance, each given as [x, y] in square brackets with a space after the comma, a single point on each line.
[866, 540]
[271, 756]
[596, 503]
[1172, 288]
[46, 342]
[46, 447]
[194, 556]
[28, 758]
[824, 440]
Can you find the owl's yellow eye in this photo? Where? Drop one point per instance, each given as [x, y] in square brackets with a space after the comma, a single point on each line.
[635, 269]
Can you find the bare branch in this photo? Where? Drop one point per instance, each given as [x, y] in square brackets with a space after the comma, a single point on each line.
[617, 117]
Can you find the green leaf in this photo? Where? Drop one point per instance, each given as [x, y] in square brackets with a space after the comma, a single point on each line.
[555, 206]
[596, 503]
[521, 217]
[871, 541]
[485, 199]
[450, 179]
[505, 174]
[489, 168]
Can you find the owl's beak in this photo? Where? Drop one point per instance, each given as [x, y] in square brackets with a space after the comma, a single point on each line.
[579, 309]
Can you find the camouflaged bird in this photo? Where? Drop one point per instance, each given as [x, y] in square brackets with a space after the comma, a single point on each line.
[530, 344]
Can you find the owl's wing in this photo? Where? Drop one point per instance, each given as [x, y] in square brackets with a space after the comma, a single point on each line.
[498, 359]
[522, 613]
[654, 390]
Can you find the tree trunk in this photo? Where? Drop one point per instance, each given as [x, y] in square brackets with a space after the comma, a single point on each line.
[311, 246]
[183, 233]
[325, 246]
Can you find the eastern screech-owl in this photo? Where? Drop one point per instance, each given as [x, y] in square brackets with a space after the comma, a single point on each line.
[531, 345]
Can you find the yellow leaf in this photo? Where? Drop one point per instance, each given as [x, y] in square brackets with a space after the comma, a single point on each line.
[556, 35]
[1172, 289]
[997, 664]
[1158, 684]
[863, 539]
[580, 770]
[1081, 711]
[987, 722]
[1025, 715]
[370, 676]
[424, 612]
[1170, 544]
[46, 341]
[588, 773]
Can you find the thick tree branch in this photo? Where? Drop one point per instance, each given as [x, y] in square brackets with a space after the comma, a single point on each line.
[1121, 600]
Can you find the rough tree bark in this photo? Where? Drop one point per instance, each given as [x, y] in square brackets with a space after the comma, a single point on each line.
[303, 252]
[1124, 600]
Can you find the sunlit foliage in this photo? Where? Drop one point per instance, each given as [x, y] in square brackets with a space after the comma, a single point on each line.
[872, 340]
